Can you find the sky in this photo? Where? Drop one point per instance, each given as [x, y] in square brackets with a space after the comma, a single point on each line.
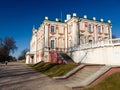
[17, 17]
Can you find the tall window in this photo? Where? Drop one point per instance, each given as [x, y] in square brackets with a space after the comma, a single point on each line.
[52, 29]
[52, 43]
[99, 29]
[90, 28]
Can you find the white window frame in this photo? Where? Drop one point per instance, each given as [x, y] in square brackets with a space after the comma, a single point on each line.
[52, 28]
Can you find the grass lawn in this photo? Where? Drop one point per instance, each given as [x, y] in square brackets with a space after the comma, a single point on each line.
[52, 69]
[111, 82]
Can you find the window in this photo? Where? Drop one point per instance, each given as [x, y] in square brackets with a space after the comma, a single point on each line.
[90, 28]
[52, 43]
[52, 29]
[99, 29]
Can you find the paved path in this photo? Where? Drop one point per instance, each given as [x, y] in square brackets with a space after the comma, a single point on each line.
[18, 76]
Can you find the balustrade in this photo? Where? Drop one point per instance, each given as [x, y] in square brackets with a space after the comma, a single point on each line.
[97, 44]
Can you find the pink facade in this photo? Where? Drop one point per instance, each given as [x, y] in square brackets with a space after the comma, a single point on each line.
[58, 36]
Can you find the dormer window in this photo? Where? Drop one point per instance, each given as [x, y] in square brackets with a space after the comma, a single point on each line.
[52, 29]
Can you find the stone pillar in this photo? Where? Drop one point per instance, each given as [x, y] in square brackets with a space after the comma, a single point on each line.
[95, 32]
[66, 37]
[46, 35]
[75, 33]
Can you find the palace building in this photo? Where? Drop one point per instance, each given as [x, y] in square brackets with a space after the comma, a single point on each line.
[59, 36]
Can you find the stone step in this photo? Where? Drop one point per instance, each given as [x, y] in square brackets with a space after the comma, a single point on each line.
[70, 73]
[89, 79]
[83, 74]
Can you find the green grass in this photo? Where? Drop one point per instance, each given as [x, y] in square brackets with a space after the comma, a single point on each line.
[52, 69]
[111, 82]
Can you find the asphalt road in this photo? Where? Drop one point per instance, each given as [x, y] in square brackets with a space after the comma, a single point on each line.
[19, 76]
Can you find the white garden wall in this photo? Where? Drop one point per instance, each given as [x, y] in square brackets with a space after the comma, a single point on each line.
[102, 55]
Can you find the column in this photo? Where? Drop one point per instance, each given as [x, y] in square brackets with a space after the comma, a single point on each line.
[75, 33]
[46, 35]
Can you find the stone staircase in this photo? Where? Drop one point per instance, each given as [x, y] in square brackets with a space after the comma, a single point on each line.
[59, 57]
[65, 58]
[86, 76]
[70, 72]
[83, 74]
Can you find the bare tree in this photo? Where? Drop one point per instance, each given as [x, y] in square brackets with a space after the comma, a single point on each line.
[7, 46]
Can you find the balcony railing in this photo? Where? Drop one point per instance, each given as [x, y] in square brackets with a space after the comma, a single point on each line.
[111, 42]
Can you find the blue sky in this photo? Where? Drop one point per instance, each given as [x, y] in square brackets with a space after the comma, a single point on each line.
[17, 17]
